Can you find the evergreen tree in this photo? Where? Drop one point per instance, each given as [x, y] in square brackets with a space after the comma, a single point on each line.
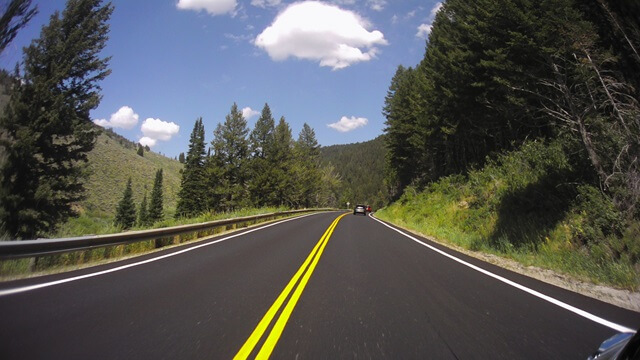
[231, 148]
[143, 215]
[281, 158]
[47, 130]
[155, 206]
[126, 211]
[307, 153]
[181, 158]
[140, 150]
[15, 16]
[191, 198]
[261, 184]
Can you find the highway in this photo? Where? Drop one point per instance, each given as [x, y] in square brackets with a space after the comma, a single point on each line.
[321, 286]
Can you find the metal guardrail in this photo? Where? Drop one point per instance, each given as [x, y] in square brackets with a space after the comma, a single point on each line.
[31, 248]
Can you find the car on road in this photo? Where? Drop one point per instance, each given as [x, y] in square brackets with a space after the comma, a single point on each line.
[360, 209]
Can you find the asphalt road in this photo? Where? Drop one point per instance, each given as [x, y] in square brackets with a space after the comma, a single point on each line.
[364, 292]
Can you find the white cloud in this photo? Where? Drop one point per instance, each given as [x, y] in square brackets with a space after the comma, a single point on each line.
[156, 129]
[313, 30]
[424, 30]
[435, 10]
[377, 5]
[265, 3]
[213, 7]
[124, 118]
[249, 113]
[147, 141]
[348, 124]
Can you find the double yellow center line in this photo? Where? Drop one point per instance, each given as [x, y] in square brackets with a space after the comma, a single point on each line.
[303, 272]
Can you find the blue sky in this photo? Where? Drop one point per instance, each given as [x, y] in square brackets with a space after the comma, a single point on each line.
[328, 64]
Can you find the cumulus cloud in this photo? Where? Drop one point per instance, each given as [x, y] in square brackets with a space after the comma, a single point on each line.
[347, 124]
[156, 129]
[147, 141]
[124, 118]
[265, 3]
[213, 7]
[313, 30]
[425, 29]
[248, 113]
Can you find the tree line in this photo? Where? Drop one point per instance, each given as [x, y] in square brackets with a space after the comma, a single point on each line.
[497, 73]
[262, 167]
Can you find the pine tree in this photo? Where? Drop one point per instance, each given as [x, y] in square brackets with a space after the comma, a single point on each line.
[307, 153]
[16, 15]
[46, 124]
[181, 158]
[155, 206]
[192, 195]
[126, 211]
[143, 215]
[261, 183]
[140, 150]
[231, 148]
[281, 158]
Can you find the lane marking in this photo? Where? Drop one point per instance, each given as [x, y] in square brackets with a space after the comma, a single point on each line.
[573, 309]
[305, 271]
[26, 288]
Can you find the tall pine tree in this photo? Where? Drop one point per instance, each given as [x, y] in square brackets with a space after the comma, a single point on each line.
[143, 214]
[231, 148]
[155, 206]
[46, 127]
[126, 211]
[307, 154]
[261, 184]
[191, 198]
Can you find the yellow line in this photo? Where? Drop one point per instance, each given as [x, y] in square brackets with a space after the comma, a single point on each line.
[278, 328]
[258, 332]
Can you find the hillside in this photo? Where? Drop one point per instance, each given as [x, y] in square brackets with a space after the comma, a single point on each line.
[112, 162]
[361, 168]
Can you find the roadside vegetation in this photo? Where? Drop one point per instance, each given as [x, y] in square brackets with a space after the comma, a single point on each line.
[519, 134]
[84, 226]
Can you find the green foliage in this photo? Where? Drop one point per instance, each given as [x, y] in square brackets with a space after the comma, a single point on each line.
[126, 212]
[46, 124]
[181, 158]
[261, 184]
[156, 211]
[140, 151]
[112, 161]
[191, 198]
[526, 205]
[143, 214]
[359, 169]
[231, 150]
[15, 16]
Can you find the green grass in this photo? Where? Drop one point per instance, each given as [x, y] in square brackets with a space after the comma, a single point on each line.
[86, 226]
[526, 206]
[111, 163]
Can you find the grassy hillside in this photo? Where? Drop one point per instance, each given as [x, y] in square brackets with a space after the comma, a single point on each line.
[112, 162]
[527, 205]
[361, 168]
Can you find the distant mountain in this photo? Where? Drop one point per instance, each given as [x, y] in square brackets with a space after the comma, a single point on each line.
[361, 167]
[113, 160]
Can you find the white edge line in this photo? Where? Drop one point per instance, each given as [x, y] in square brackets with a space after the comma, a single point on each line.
[587, 315]
[22, 289]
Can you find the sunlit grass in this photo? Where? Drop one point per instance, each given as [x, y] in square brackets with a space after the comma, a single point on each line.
[516, 208]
